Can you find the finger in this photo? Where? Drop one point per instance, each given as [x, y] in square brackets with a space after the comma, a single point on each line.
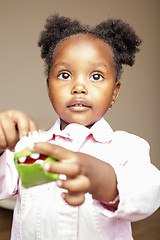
[32, 126]
[23, 124]
[69, 169]
[54, 151]
[75, 199]
[9, 135]
[14, 125]
[79, 184]
[3, 142]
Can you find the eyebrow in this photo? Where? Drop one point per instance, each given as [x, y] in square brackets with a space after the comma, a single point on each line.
[99, 64]
[93, 64]
[63, 64]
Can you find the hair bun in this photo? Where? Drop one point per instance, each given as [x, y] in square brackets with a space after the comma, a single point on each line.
[121, 37]
[56, 29]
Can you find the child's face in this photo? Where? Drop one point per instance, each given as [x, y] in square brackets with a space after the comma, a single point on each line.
[82, 80]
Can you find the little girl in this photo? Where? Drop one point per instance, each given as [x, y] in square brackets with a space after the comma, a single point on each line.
[106, 178]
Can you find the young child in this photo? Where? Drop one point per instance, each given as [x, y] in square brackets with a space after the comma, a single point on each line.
[106, 178]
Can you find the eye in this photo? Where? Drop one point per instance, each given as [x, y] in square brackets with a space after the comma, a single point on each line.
[96, 77]
[64, 76]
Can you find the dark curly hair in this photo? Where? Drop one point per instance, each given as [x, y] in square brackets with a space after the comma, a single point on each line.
[116, 33]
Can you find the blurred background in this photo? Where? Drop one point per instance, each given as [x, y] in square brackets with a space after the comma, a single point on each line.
[23, 83]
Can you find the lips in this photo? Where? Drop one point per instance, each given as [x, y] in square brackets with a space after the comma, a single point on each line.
[79, 105]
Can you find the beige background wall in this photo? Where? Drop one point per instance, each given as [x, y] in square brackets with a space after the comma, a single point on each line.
[22, 81]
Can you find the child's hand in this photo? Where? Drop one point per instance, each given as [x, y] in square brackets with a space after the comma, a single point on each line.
[84, 174]
[14, 125]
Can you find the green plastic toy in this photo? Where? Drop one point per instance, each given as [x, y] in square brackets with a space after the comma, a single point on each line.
[30, 170]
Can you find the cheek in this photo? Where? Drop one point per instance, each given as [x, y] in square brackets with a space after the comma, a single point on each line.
[103, 98]
[57, 99]
[53, 96]
[103, 107]
[102, 102]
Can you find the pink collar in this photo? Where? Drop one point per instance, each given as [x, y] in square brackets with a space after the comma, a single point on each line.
[101, 131]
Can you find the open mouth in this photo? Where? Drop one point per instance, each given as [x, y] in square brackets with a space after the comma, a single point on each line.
[27, 157]
[79, 104]
[33, 158]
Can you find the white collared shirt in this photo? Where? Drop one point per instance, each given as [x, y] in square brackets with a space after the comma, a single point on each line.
[41, 213]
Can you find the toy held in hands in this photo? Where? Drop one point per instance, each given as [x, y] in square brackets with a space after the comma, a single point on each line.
[29, 166]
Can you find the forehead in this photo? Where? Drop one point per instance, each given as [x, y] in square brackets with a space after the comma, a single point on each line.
[82, 45]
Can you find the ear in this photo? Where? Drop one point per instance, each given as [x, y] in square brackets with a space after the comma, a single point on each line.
[116, 92]
[47, 85]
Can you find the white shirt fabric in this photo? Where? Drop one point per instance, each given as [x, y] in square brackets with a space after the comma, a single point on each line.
[41, 213]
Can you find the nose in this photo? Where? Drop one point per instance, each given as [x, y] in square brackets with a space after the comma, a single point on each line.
[79, 87]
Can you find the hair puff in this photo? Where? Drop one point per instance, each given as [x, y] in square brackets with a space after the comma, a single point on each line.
[122, 39]
[56, 29]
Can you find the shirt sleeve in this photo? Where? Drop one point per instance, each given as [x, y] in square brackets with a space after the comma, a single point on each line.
[8, 175]
[138, 182]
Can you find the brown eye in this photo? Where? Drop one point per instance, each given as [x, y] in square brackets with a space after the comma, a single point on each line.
[64, 76]
[96, 77]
